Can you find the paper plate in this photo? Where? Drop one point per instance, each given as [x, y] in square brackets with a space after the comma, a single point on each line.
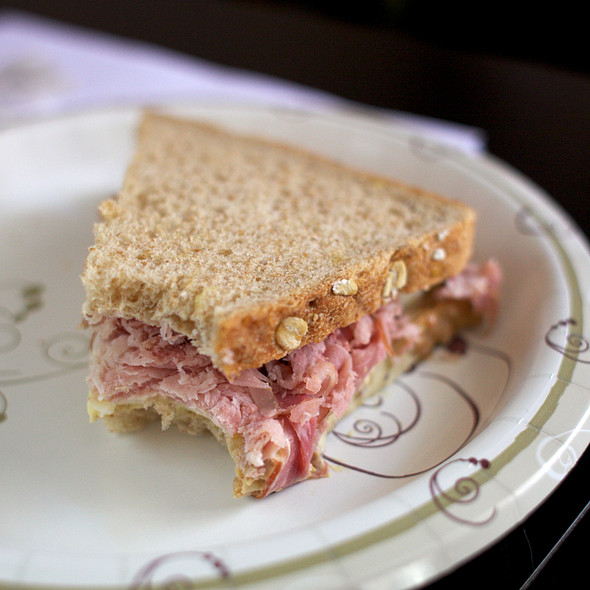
[429, 473]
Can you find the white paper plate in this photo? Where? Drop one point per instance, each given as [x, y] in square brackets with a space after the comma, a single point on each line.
[436, 469]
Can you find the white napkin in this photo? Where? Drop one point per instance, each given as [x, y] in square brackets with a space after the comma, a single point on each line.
[49, 68]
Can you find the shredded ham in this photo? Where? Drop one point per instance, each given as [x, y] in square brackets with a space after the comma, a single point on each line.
[478, 284]
[281, 409]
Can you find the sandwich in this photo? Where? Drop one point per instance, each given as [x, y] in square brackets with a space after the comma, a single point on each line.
[260, 292]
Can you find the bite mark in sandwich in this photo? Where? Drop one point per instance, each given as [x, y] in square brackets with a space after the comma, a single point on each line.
[261, 292]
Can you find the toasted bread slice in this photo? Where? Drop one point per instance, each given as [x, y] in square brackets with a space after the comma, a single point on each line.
[252, 248]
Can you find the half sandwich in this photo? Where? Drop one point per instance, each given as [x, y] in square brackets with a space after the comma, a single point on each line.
[261, 292]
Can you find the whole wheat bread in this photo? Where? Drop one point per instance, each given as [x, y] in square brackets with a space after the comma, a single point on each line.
[225, 236]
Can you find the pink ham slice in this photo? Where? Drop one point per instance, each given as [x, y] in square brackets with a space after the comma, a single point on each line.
[282, 409]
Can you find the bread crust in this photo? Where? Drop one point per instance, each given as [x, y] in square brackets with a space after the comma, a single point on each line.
[238, 328]
[247, 339]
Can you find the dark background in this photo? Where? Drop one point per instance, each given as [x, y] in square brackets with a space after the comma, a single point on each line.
[518, 70]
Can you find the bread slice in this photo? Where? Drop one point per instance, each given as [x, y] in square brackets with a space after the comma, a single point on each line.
[252, 248]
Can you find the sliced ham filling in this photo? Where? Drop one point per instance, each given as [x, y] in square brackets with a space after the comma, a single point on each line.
[280, 410]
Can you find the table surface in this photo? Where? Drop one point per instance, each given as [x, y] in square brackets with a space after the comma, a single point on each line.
[529, 92]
